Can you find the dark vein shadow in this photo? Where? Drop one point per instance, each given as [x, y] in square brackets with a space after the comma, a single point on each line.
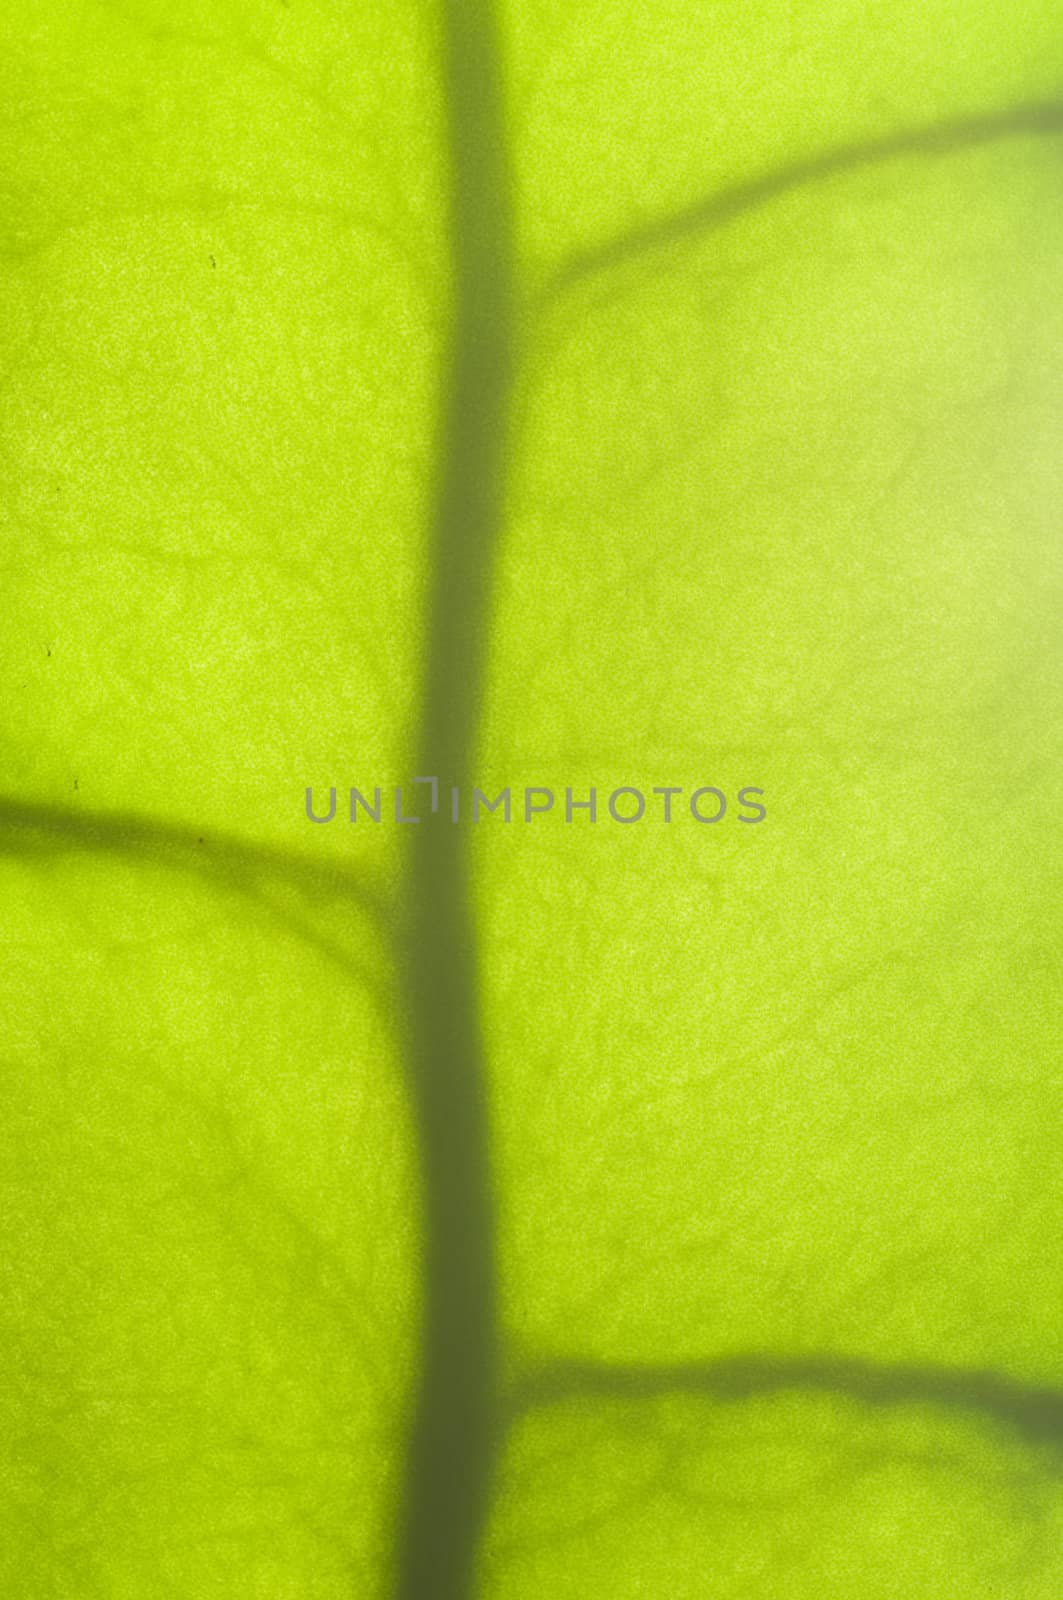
[459, 1418]
[452, 1440]
[1033, 1412]
[30, 830]
[27, 827]
[1037, 120]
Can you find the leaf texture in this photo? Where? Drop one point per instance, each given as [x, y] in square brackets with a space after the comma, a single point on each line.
[554, 397]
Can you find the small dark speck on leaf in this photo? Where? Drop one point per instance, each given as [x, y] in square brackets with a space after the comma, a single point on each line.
[199, 841]
[75, 783]
[213, 262]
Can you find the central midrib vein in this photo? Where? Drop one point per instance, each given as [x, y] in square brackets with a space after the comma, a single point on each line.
[452, 1439]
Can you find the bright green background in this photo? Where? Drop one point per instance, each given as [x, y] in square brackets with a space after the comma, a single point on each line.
[784, 510]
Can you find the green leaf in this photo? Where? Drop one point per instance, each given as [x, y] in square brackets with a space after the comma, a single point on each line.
[530, 397]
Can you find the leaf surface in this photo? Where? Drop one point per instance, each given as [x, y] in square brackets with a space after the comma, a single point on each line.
[577, 397]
